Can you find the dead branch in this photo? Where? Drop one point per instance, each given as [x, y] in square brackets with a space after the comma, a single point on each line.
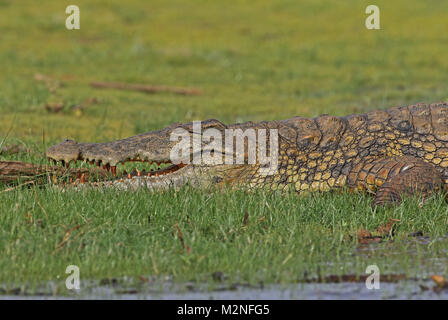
[12, 171]
[145, 88]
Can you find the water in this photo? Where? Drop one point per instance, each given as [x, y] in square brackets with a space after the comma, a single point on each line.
[407, 289]
[397, 287]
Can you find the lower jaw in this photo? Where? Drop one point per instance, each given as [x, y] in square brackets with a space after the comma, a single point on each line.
[108, 175]
[151, 174]
[176, 179]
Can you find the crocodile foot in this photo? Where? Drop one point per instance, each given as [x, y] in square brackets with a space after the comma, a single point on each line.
[392, 178]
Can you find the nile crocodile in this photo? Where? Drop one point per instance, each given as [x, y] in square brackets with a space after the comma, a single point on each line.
[402, 150]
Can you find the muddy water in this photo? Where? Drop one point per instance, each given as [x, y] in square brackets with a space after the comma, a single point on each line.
[397, 287]
[401, 290]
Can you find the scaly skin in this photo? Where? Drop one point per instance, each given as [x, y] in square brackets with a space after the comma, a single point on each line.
[391, 152]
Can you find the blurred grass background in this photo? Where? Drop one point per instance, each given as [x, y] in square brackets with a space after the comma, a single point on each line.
[253, 60]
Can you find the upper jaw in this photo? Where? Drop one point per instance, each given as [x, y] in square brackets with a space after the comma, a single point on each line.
[66, 151]
[109, 155]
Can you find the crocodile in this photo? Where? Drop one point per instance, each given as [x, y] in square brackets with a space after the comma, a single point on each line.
[389, 153]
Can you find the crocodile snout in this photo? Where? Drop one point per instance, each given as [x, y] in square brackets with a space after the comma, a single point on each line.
[67, 151]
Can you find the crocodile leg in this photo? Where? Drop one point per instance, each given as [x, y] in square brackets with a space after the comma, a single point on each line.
[391, 178]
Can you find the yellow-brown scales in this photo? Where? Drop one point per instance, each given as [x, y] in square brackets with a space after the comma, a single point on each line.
[357, 151]
[387, 152]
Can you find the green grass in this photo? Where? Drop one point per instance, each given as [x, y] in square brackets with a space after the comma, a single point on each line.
[253, 60]
[287, 238]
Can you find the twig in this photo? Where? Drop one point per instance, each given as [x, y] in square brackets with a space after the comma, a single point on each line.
[246, 218]
[38, 203]
[68, 233]
[181, 238]
[67, 236]
[145, 88]
[18, 186]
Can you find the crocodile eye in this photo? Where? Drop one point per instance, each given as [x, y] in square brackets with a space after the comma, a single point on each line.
[404, 126]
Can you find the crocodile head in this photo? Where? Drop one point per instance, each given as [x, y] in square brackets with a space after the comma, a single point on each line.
[177, 166]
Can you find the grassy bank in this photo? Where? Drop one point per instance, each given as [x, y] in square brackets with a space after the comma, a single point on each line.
[252, 60]
[190, 234]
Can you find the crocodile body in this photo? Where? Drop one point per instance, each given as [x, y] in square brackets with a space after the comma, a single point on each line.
[388, 152]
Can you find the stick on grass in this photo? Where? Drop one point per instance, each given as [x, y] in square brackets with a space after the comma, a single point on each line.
[13, 171]
[145, 88]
